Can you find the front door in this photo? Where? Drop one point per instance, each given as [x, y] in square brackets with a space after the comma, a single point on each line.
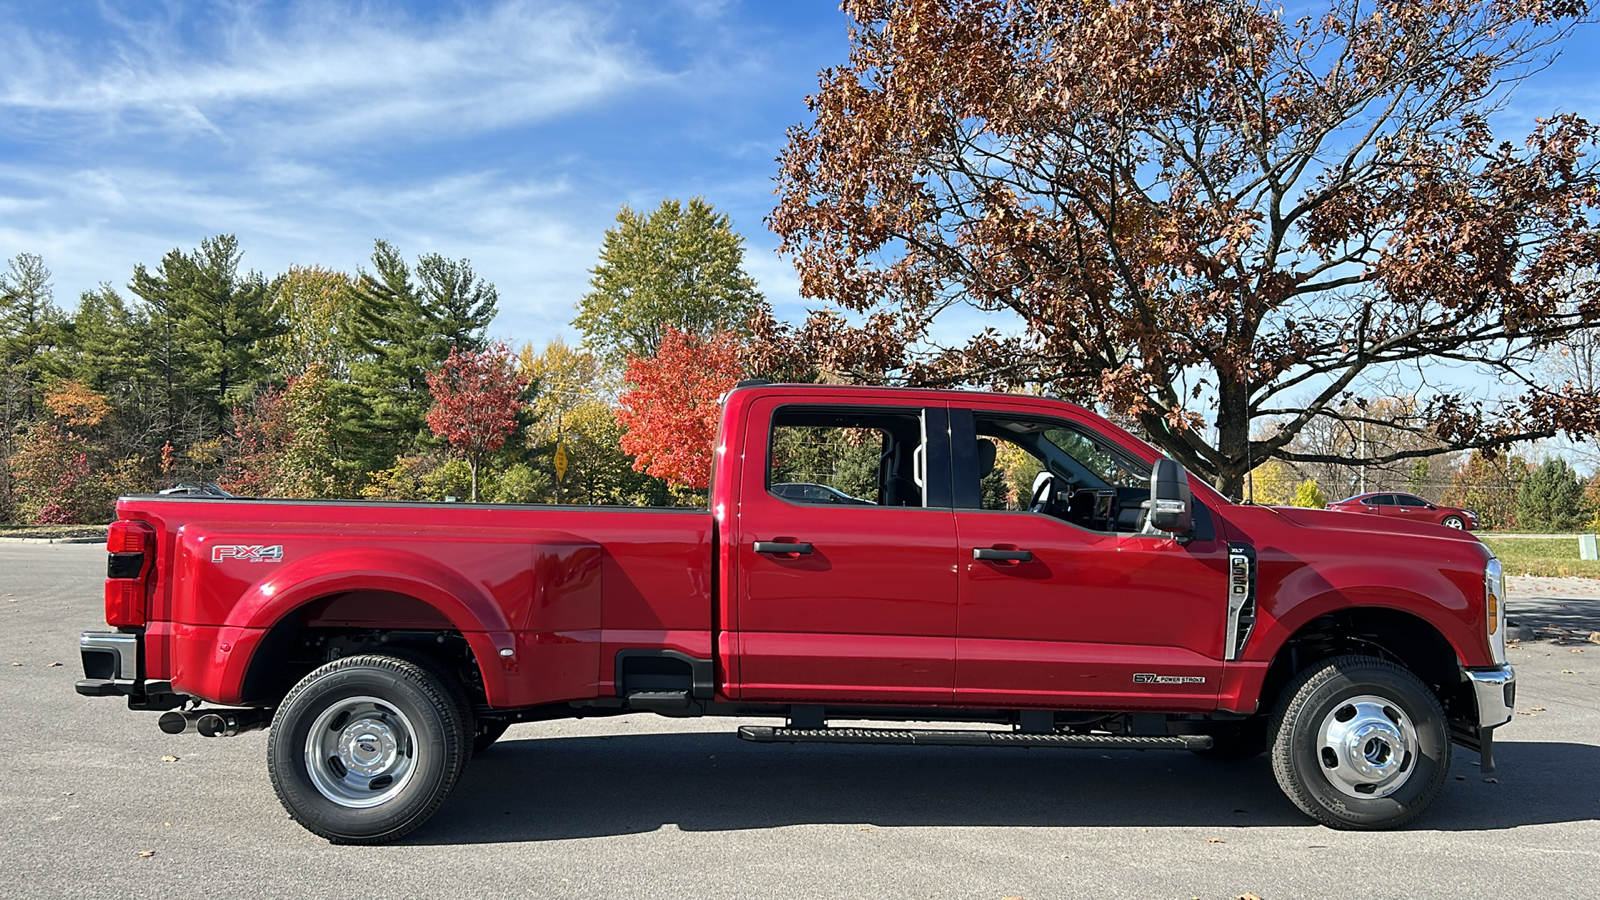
[845, 557]
[1072, 608]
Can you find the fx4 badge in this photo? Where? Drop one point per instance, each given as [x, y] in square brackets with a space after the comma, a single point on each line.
[247, 553]
[1148, 678]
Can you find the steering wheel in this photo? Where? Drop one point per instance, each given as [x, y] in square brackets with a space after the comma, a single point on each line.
[1043, 491]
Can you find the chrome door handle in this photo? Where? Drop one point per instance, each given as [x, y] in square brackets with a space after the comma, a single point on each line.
[799, 548]
[1004, 555]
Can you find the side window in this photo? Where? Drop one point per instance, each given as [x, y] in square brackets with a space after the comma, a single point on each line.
[1091, 483]
[1381, 500]
[1408, 500]
[847, 457]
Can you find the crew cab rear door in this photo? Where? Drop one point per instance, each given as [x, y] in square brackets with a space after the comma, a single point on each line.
[1075, 609]
[853, 599]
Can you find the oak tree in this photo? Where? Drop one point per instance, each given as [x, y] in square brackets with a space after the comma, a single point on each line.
[1201, 212]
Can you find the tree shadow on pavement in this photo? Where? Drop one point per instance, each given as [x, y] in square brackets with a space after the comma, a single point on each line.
[559, 788]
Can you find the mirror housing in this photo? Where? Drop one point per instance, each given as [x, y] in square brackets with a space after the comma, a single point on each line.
[1171, 508]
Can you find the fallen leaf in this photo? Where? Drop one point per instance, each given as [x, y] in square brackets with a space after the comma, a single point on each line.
[1248, 897]
[53, 666]
[1574, 651]
[1521, 713]
[169, 759]
[1491, 781]
[1594, 636]
[1461, 778]
[166, 824]
[1538, 709]
[1568, 672]
[1215, 841]
[147, 853]
[16, 664]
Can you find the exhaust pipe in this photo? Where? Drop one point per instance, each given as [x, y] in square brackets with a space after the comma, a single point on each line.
[214, 722]
[179, 721]
[231, 722]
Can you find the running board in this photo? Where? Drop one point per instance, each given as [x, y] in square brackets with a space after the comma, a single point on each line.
[768, 734]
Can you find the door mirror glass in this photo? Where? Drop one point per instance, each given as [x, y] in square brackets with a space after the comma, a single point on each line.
[1171, 508]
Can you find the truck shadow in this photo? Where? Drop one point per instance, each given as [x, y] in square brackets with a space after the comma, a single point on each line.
[559, 788]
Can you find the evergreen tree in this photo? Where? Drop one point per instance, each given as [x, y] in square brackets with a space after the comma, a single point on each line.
[29, 325]
[392, 350]
[460, 303]
[677, 267]
[212, 325]
[1552, 498]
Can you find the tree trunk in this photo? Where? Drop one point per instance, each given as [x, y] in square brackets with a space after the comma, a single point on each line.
[472, 463]
[1233, 440]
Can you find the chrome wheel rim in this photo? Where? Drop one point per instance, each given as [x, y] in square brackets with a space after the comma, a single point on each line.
[1367, 747]
[1452, 522]
[361, 752]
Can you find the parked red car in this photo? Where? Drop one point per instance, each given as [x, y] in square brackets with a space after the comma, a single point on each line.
[1408, 506]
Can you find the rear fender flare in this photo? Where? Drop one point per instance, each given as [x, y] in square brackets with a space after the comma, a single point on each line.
[469, 607]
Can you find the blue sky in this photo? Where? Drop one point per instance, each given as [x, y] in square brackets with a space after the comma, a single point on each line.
[508, 132]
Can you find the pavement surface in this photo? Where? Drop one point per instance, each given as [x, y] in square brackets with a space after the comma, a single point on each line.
[96, 802]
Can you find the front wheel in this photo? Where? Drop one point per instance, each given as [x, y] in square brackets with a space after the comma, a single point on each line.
[1360, 743]
[366, 748]
[1454, 522]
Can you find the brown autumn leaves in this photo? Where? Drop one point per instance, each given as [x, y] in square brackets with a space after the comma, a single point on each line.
[1197, 211]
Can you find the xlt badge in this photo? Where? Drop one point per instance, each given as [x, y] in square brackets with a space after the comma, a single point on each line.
[1149, 678]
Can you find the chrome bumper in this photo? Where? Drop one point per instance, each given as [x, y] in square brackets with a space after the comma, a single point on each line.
[110, 663]
[1496, 692]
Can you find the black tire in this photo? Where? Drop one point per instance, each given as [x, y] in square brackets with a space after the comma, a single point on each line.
[391, 738]
[487, 732]
[1236, 741]
[1382, 720]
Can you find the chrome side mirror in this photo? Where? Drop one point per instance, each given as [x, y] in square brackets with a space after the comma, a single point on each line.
[1171, 508]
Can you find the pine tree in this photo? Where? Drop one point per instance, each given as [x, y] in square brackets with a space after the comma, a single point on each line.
[212, 324]
[1551, 498]
[29, 325]
[460, 303]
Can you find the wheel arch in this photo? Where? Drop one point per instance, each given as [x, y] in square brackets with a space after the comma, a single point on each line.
[1397, 635]
[375, 592]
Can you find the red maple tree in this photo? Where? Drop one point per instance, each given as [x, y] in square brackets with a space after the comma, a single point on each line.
[669, 411]
[476, 395]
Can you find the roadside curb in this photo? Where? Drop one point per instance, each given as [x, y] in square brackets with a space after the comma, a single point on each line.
[12, 539]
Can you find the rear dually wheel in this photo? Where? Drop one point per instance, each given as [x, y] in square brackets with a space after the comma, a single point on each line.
[366, 748]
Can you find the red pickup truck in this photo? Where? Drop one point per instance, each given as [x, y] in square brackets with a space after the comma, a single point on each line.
[1119, 603]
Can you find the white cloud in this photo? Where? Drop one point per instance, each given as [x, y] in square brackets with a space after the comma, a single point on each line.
[323, 78]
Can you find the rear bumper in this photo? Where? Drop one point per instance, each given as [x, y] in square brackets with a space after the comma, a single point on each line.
[1496, 692]
[110, 664]
[111, 668]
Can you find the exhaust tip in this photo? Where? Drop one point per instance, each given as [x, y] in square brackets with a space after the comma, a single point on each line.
[174, 722]
[213, 725]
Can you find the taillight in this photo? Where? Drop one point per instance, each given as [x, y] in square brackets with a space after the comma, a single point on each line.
[130, 559]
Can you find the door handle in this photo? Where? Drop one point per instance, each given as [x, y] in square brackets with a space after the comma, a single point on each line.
[801, 549]
[1003, 555]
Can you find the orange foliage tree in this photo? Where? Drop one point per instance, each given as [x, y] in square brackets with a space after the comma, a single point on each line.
[669, 410]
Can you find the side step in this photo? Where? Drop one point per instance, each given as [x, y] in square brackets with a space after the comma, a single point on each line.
[768, 734]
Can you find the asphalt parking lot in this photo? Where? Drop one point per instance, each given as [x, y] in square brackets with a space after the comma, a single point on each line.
[96, 802]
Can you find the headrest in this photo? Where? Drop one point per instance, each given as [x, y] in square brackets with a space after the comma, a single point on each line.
[986, 454]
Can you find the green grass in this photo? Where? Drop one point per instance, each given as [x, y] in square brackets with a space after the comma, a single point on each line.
[1552, 556]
